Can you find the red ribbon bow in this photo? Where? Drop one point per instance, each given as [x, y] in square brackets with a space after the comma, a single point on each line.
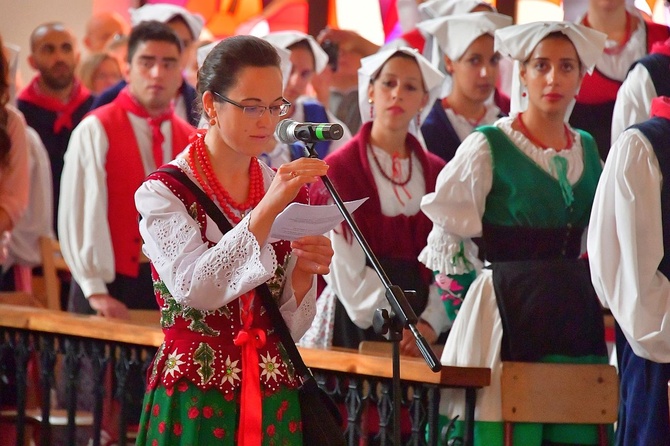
[251, 409]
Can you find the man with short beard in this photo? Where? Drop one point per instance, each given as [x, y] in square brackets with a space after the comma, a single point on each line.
[55, 101]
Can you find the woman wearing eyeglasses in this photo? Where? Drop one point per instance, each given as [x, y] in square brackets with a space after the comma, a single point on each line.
[220, 375]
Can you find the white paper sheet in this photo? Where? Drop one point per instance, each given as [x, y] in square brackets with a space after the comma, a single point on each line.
[299, 220]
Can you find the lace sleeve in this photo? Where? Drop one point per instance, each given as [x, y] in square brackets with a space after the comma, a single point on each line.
[197, 275]
[449, 254]
[297, 318]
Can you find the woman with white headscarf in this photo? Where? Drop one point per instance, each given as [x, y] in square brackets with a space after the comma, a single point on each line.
[526, 186]
[307, 59]
[466, 45]
[386, 163]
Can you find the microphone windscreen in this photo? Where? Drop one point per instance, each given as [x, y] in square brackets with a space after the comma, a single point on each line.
[284, 132]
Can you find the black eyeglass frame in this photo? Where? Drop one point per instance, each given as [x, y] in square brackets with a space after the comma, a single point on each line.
[252, 110]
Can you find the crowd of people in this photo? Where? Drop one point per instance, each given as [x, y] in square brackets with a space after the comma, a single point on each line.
[513, 177]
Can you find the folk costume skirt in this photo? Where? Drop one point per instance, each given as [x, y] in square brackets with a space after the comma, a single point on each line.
[185, 415]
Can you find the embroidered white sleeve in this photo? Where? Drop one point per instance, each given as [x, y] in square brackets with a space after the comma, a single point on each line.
[298, 318]
[198, 276]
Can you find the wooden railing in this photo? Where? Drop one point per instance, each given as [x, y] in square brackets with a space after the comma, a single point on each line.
[356, 381]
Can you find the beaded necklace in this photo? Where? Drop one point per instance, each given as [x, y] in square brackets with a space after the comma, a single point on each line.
[393, 181]
[619, 46]
[213, 187]
[472, 122]
[535, 141]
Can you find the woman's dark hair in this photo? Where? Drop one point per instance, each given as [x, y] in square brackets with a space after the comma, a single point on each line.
[5, 141]
[151, 30]
[303, 44]
[223, 64]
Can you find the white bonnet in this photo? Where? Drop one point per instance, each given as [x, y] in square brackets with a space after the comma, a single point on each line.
[455, 33]
[371, 65]
[284, 39]
[163, 12]
[519, 41]
[432, 9]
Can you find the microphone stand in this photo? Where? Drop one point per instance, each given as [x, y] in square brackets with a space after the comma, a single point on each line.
[402, 315]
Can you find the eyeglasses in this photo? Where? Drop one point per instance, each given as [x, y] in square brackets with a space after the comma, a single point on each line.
[256, 111]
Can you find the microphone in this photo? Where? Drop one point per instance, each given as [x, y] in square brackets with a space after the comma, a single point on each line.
[289, 131]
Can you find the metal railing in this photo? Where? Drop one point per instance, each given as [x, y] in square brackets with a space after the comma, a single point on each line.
[37, 346]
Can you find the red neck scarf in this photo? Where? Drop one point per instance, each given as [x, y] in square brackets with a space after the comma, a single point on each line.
[64, 110]
[661, 48]
[660, 106]
[130, 104]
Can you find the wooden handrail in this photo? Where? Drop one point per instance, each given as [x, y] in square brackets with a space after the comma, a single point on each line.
[337, 360]
[94, 327]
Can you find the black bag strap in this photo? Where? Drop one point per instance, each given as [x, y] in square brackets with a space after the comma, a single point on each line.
[263, 291]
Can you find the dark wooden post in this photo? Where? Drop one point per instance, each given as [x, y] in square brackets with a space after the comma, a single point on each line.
[317, 17]
[507, 7]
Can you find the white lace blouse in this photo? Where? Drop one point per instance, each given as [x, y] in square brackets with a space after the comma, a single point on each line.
[208, 278]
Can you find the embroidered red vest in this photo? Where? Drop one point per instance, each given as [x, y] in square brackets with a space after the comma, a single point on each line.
[192, 334]
[125, 174]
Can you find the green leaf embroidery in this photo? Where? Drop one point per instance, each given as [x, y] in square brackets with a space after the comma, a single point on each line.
[204, 356]
[197, 318]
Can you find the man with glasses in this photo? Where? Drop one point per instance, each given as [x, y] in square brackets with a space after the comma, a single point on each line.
[110, 153]
[187, 27]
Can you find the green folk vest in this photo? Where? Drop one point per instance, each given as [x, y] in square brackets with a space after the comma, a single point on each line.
[523, 194]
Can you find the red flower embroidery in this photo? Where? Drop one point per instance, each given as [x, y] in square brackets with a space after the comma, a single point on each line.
[193, 412]
[229, 396]
[207, 412]
[292, 426]
[169, 391]
[280, 414]
[182, 386]
[219, 432]
[156, 410]
[147, 408]
[154, 443]
[177, 429]
[161, 427]
[271, 430]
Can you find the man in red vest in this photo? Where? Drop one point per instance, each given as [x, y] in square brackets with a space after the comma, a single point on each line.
[110, 153]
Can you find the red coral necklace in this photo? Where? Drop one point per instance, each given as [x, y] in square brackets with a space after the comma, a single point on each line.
[535, 141]
[213, 187]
